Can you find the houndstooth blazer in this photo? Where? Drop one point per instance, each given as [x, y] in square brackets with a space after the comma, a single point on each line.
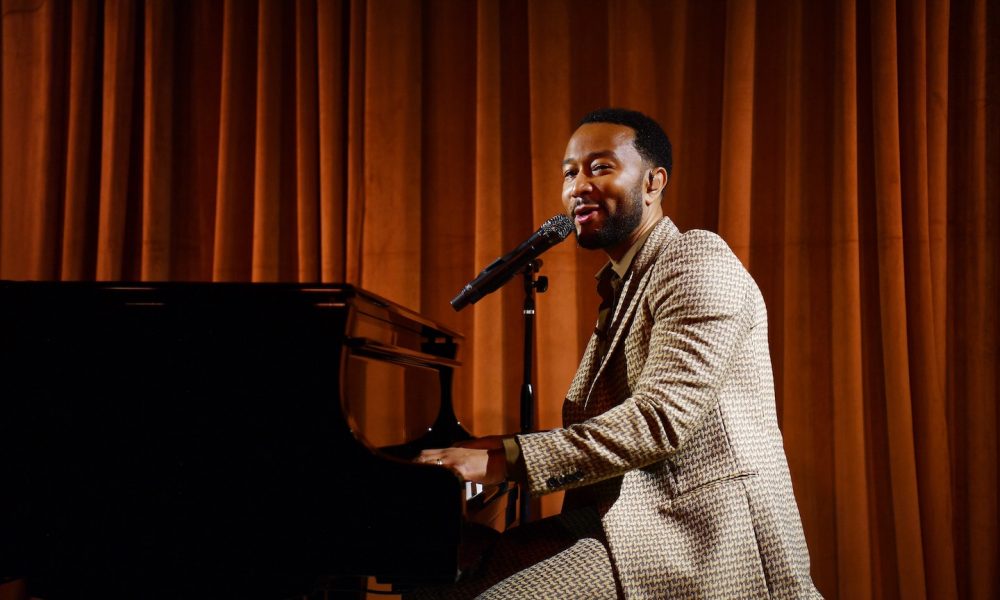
[673, 434]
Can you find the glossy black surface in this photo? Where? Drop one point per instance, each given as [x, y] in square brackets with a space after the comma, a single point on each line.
[188, 440]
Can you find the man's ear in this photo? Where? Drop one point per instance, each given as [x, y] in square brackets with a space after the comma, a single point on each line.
[656, 180]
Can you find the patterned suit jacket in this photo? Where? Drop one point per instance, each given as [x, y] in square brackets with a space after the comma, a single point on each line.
[673, 434]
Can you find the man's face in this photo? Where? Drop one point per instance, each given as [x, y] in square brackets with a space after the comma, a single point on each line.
[603, 185]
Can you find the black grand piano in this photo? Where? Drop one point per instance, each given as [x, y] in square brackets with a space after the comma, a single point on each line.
[186, 440]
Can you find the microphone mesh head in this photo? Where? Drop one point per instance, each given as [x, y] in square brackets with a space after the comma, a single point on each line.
[558, 226]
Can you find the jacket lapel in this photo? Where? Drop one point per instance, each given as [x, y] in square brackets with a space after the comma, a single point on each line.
[632, 292]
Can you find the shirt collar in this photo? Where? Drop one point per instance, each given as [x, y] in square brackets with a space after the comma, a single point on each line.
[620, 267]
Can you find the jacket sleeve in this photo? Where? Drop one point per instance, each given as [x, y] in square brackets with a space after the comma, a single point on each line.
[697, 296]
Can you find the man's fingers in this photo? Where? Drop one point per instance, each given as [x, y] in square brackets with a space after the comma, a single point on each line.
[468, 463]
[431, 457]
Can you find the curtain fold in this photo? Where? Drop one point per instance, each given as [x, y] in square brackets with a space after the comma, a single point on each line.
[853, 539]
[392, 161]
[892, 301]
[927, 388]
[972, 272]
[735, 179]
[29, 106]
[269, 160]
[489, 386]
[332, 159]
[197, 128]
[847, 151]
[121, 42]
[307, 143]
[157, 163]
[82, 146]
[235, 179]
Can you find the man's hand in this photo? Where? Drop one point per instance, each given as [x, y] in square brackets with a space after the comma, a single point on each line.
[482, 465]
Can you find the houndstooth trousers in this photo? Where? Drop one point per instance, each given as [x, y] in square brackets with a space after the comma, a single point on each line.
[564, 556]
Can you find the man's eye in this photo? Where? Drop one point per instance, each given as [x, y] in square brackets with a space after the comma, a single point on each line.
[600, 167]
[569, 174]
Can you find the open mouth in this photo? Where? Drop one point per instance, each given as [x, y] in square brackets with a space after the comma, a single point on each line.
[584, 213]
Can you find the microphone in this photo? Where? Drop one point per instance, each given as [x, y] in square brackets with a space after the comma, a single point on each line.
[504, 268]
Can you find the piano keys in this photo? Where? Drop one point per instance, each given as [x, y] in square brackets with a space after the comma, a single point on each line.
[194, 439]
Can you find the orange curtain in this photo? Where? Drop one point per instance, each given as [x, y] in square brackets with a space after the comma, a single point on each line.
[848, 151]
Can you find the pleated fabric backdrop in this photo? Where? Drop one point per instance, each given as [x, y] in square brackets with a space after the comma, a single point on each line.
[846, 150]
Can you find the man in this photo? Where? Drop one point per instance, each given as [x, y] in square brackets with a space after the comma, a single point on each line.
[670, 451]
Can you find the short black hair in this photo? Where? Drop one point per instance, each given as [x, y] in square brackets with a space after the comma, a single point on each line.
[650, 141]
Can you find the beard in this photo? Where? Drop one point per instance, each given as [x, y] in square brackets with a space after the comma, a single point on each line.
[619, 225]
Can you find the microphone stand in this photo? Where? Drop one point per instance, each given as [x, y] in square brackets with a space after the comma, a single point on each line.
[531, 286]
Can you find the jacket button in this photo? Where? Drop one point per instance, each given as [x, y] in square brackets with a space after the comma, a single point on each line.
[552, 482]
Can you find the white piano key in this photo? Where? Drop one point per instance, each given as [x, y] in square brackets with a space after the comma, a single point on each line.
[472, 489]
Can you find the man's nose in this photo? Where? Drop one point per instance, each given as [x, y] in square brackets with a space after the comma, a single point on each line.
[582, 186]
